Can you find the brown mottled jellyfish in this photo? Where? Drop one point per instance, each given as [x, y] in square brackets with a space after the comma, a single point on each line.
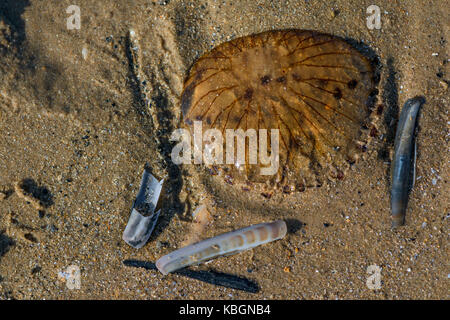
[312, 87]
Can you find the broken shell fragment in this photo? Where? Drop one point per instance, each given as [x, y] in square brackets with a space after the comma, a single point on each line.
[201, 220]
[222, 245]
[143, 216]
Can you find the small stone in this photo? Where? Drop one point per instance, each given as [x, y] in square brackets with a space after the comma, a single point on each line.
[36, 269]
[333, 13]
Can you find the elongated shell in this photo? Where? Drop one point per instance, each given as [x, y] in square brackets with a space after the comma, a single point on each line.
[224, 244]
[401, 165]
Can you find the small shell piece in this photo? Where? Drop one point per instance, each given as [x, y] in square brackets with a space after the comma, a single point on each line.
[224, 244]
[84, 53]
[143, 217]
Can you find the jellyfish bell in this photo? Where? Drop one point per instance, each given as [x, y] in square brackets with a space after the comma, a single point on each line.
[309, 88]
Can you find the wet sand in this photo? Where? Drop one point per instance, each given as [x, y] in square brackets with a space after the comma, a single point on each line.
[75, 133]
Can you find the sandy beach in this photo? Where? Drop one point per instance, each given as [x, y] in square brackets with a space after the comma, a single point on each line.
[75, 135]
